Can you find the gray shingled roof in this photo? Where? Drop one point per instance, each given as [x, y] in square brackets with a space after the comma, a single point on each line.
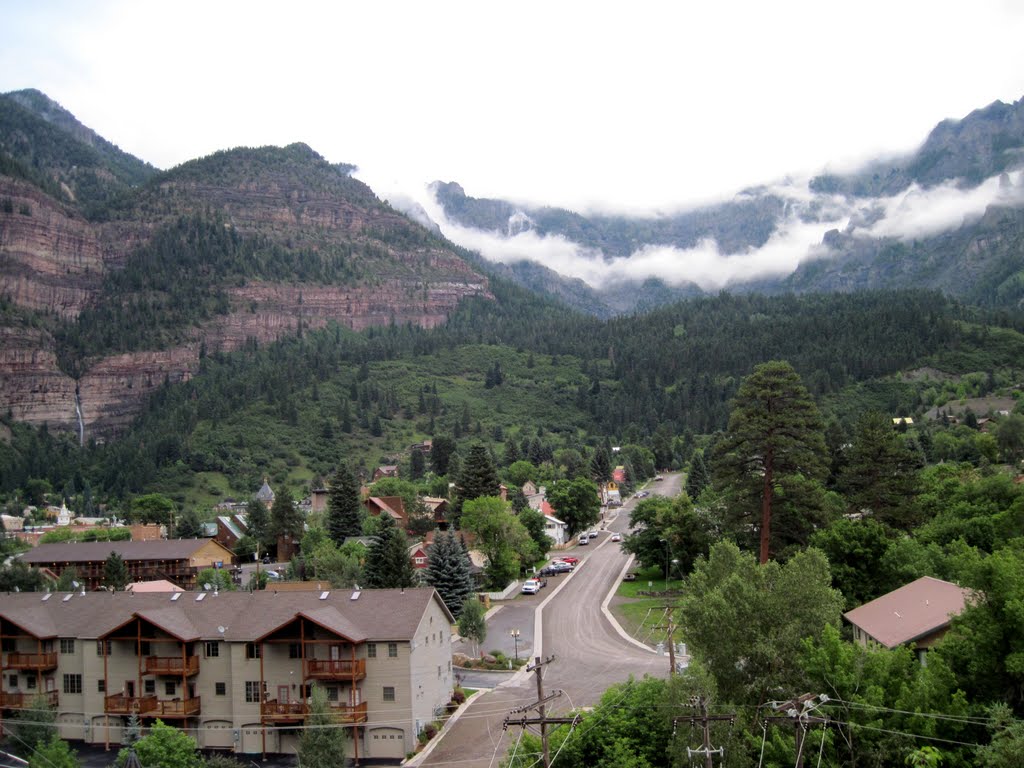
[378, 614]
[97, 551]
[911, 612]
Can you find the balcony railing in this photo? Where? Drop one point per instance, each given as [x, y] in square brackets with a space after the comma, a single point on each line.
[298, 710]
[119, 704]
[172, 665]
[286, 710]
[177, 708]
[349, 714]
[322, 669]
[26, 700]
[33, 661]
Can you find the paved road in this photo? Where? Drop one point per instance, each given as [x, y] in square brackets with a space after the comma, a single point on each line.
[590, 655]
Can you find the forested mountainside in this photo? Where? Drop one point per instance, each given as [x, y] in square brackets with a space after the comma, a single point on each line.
[115, 278]
[946, 217]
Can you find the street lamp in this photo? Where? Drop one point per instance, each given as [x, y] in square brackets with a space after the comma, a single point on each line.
[515, 639]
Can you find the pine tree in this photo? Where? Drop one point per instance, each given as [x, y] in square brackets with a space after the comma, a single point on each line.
[879, 472]
[601, 465]
[699, 477]
[448, 571]
[188, 525]
[115, 572]
[417, 464]
[478, 477]
[257, 520]
[775, 430]
[285, 517]
[344, 512]
[387, 563]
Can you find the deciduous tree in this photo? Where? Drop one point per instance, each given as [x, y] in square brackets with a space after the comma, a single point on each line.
[576, 503]
[322, 743]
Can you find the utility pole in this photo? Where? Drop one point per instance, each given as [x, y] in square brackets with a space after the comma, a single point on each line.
[543, 720]
[799, 711]
[705, 720]
[671, 627]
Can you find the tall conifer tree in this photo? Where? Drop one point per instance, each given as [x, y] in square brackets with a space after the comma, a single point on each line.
[344, 512]
[387, 563]
[448, 571]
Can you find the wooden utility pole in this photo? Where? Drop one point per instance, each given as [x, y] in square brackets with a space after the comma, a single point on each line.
[799, 712]
[701, 704]
[671, 627]
[543, 720]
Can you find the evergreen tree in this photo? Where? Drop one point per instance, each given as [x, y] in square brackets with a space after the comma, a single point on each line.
[417, 464]
[344, 512]
[188, 525]
[322, 743]
[115, 572]
[880, 472]
[775, 430]
[601, 465]
[512, 454]
[388, 565]
[285, 517]
[448, 571]
[699, 477]
[258, 522]
[478, 477]
[441, 450]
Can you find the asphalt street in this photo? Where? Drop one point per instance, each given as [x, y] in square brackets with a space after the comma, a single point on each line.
[589, 654]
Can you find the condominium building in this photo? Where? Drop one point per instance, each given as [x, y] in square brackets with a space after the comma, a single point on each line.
[232, 669]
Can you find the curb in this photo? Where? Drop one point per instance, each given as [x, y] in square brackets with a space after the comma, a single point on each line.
[611, 619]
[424, 753]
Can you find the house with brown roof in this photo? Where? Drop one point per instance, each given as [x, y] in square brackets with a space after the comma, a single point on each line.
[387, 505]
[233, 669]
[177, 560]
[385, 470]
[919, 612]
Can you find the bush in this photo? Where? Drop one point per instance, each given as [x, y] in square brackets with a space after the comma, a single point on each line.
[459, 696]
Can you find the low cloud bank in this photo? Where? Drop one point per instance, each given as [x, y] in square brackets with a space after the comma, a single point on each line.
[914, 213]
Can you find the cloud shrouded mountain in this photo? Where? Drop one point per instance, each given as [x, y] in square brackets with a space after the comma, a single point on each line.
[948, 216]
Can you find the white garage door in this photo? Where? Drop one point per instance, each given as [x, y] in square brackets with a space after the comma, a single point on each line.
[217, 734]
[386, 742]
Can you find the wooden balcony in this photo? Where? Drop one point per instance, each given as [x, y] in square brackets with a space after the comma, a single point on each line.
[177, 708]
[26, 700]
[119, 704]
[287, 711]
[296, 711]
[40, 662]
[174, 666]
[342, 713]
[336, 669]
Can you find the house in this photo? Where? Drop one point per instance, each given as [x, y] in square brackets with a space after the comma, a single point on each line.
[438, 508]
[148, 531]
[529, 489]
[902, 421]
[919, 612]
[318, 500]
[385, 470]
[160, 585]
[388, 505]
[556, 529]
[177, 560]
[619, 474]
[230, 529]
[233, 669]
[418, 555]
[424, 447]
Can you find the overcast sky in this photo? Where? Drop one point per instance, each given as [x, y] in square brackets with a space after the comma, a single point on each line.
[585, 104]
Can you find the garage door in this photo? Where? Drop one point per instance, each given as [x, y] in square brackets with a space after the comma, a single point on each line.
[102, 734]
[386, 742]
[217, 734]
[252, 738]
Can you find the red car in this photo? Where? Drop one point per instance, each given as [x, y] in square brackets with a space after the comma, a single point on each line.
[569, 559]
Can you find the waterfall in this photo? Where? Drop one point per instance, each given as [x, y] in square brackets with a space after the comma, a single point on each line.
[81, 424]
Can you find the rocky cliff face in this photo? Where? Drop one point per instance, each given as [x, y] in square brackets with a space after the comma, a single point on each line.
[53, 262]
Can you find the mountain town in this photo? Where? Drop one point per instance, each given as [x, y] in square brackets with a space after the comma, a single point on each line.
[288, 477]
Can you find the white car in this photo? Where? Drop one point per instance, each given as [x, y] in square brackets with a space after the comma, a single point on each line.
[616, 537]
[531, 587]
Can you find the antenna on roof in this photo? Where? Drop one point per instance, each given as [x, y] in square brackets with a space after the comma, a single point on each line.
[222, 629]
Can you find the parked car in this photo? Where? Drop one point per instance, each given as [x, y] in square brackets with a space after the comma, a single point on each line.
[570, 559]
[658, 478]
[629, 577]
[531, 587]
[592, 534]
[616, 537]
[273, 575]
[541, 580]
[548, 570]
[562, 567]
[584, 540]
[643, 494]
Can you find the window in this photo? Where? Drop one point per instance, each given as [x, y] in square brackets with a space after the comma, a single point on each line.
[101, 686]
[72, 683]
[371, 650]
[212, 649]
[169, 689]
[103, 647]
[252, 650]
[12, 680]
[389, 693]
[149, 686]
[8, 645]
[392, 650]
[220, 689]
[67, 645]
[142, 649]
[332, 693]
[294, 651]
[30, 682]
[252, 691]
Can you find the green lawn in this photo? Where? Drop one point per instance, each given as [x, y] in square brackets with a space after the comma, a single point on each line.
[641, 614]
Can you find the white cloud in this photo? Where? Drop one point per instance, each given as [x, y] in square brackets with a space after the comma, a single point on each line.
[918, 213]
